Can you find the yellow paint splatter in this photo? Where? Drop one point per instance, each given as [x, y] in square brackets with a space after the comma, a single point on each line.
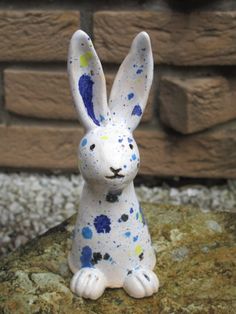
[138, 80]
[85, 58]
[140, 217]
[138, 250]
[104, 137]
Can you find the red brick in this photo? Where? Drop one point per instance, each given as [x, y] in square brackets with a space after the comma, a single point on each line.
[209, 154]
[192, 104]
[36, 35]
[46, 94]
[38, 93]
[195, 38]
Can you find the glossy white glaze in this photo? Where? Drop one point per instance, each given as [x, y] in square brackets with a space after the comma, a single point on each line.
[111, 243]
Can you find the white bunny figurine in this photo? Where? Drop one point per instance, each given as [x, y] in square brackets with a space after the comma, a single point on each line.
[111, 242]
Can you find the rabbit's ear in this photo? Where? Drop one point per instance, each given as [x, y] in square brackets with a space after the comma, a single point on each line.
[87, 81]
[132, 84]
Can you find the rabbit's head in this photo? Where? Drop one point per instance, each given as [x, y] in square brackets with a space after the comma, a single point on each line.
[109, 155]
[108, 152]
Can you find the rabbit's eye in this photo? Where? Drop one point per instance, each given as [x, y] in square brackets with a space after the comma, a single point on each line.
[92, 147]
[131, 146]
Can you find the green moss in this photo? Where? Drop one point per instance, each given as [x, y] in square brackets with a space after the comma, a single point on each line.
[195, 264]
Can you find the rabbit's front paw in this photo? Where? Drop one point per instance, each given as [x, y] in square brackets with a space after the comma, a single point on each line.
[141, 283]
[88, 283]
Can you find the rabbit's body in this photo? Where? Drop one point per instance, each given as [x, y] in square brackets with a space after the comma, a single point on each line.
[111, 243]
[123, 241]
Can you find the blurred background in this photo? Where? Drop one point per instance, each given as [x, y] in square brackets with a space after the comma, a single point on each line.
[187, 137]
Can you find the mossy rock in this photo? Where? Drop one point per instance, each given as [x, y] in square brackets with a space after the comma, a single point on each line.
[196, 257]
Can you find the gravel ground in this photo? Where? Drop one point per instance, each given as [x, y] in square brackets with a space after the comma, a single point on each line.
[30, 204]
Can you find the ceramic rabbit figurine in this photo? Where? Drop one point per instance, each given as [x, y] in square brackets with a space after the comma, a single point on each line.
[111, 243]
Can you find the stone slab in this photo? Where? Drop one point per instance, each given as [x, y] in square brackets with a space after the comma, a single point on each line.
[195, 264]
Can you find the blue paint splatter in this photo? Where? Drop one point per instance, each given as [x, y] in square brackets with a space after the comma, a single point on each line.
[139, 71]
[137, 215]
[131, 210]
[142, 214]
[130, 140]
[120, 140]
[101, 118]
[87, 233]
[125, 166]
[86, 92]
[86, 256]
[102, 224]
[84, 142]
[137, 111]
[128, 234]
[135, 238]
[134, 157]
[130, 96]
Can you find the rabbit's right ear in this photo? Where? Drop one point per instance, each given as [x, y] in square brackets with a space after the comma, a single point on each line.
[133, 81]
[87, 81]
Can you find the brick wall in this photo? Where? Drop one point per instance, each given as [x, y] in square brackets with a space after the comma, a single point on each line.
[189, 126]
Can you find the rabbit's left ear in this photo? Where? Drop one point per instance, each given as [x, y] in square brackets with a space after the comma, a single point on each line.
[132, 84]
[87, 81]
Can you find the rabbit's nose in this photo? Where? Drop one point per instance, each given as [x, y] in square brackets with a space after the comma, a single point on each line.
[115, 171]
